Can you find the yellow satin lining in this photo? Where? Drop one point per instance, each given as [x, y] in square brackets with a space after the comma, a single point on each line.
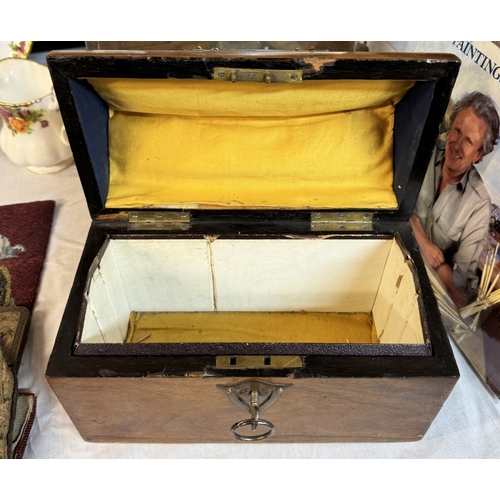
[197, 143]
[251, 327]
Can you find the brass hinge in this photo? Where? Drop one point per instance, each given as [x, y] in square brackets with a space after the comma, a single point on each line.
[163, 221]
[258, 75]
[341, 221]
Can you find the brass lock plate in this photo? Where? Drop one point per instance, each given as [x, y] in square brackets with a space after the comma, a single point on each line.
[258, 362]
[258, 75]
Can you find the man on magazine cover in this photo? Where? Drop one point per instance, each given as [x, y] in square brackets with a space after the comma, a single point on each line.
[453, 209]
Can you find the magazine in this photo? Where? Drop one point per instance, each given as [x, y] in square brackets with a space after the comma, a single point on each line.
[475, 327]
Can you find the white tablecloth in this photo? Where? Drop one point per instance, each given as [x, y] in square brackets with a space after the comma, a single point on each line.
[467, 426]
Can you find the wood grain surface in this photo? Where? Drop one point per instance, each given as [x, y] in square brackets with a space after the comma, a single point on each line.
[194, 410]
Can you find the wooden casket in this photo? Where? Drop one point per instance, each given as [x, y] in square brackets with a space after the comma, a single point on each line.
[250, 272]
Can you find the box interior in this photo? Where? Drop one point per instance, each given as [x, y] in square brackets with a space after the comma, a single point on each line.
[213, 290]
[177, 143]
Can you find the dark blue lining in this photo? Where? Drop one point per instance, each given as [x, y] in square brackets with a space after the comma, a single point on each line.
[93, 116]
[410, 118]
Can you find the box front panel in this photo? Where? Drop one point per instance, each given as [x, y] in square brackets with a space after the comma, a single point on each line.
[194, 410]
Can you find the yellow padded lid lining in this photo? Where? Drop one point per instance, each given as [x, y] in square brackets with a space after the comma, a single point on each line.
[199, 143]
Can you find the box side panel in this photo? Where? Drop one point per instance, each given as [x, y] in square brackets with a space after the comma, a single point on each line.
[388, 288]
[412, 332]
[298, 275]
[396, 309]
[118, 300]
[400, 312]
[194, 410]
[107, 310]
[107, 306]
[92, 331]
[165, 275]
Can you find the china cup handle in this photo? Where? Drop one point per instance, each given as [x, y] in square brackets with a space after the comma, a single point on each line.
[54, 106]
[64, 136]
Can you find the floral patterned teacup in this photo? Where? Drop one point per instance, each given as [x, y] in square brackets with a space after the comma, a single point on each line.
[32, 132]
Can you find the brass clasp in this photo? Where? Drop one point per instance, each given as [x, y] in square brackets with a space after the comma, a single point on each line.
[253, 396]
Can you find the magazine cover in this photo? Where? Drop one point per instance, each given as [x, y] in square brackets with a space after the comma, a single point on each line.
[461, 215]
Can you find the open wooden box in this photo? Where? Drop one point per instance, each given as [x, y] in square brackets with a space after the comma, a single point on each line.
[251, 234]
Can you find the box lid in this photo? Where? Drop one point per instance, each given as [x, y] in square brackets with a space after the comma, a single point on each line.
[251, 130]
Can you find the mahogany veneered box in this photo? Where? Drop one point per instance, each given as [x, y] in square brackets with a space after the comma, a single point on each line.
[250, 271]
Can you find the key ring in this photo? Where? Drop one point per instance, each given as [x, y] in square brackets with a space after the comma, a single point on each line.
[254, 424]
